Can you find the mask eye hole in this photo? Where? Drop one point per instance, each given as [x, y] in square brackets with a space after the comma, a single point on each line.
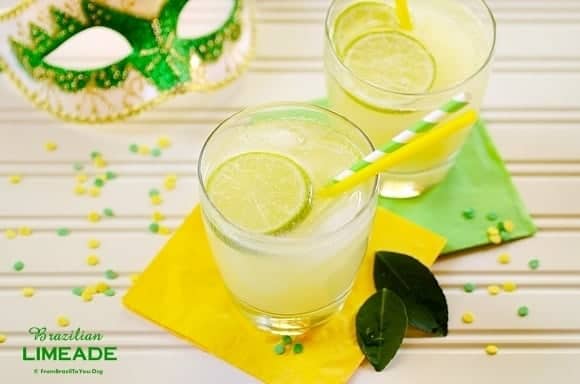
[201, 17]
[86, 50]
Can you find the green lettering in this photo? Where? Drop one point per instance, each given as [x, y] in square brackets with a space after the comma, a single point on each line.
[48, 353]
[64, 353]
[25, 355]
[97, 351]
[38, 333]
[79, 354]
[110, 353]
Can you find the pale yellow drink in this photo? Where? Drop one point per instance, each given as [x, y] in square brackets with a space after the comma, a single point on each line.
[288, 257]
[384, 78]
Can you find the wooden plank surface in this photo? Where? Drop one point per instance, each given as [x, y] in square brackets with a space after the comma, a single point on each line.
[533, 110]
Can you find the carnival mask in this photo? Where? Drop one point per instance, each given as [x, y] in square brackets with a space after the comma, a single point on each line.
[161, 63]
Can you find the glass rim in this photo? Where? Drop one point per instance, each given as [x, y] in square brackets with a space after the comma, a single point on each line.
[485, 64]
[266, 239]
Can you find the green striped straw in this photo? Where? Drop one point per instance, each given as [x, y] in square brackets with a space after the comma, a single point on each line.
[457, 103]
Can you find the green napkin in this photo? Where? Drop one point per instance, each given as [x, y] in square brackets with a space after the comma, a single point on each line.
[480, 181]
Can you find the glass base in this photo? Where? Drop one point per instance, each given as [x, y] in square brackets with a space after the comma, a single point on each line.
[399, 185]
[291, 324]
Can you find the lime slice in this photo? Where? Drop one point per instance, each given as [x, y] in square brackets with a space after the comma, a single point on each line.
[261, 192]
[391, 60]
[359, 18]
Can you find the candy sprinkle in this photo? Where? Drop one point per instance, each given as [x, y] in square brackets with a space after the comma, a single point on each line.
[62, 232]
[110, 175]
[491, 216]
[94, 192]
[156, 152]
[87, 296]
[469, 213]
[134, 148]
[50, 146]
[504, 258]
[279, 349]
[28, 292]
[163, 142]
[156, 200]
[101, 287]
[506, 225]
[81, 178]
[469, 287]
[94, 217]
[77, 291]
[491, 350]
[509, 286]
[164, 230]
[468, 317]
[95, 155]
[108, 212]
[78, 166]
[63, 321]
[99, 183]
[18, 266]
[109, 292]
[144, 150]
[93, 243]
[493, 290]
[153, 192]
[523, 311]
[10, 234]
[157, 216]
[495, 239]
[492, 231]
[2, 338]
[93, 260]
[110, 274]
[25, 231]
[154, 228]
[80, 190]
[297, 348]
[286, 340]
[534, 264]
[14, 179]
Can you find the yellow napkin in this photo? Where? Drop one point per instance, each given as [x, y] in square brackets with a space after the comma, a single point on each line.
[182, 291]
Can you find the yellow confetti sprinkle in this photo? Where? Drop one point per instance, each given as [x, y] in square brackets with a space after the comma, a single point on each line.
[94, 217]
[491, 350]
[91, 289]
[94, 192]
[2, 338]
[86, 296]
[50, 146]
[81, 178]
[504, 258]
[28, 292]
[158, 216]
[169, 185]
[63, 321]
[171, 178]
[468, 317]
[144, 150]
[163, 142]
[508, 225]
[80, 190]
[134, 277]
[93, 260]
[102, 287]
[25, 231]
[509, 286]
[492, 231]
[99, 162]
[164, 231]
[14, 179]
[10, 234]
[156, 200]
[93, 243]
[495, 239]
[493, 290]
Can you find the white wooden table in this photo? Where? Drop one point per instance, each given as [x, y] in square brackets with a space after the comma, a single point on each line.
[533, 110]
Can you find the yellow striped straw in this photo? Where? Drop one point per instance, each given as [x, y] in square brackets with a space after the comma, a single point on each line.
[403, 14]
[422, 143]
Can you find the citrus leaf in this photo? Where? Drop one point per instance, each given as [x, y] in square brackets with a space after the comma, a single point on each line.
[381, 323]
[417, 287]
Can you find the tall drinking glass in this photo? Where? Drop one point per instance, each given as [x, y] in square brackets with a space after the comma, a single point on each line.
[384, 78]
[287, 256]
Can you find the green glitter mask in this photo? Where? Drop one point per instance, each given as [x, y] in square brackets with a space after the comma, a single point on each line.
[160, 63]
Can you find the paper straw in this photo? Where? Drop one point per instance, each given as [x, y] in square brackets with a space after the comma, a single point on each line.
[424, 142]
[424, 125]
[403, 14]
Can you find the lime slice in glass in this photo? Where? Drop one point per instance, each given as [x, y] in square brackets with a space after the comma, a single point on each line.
[261, 192]
[359, 18]
[391, 60]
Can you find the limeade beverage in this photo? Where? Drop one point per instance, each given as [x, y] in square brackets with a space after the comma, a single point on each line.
[385, 78]
[288, 257]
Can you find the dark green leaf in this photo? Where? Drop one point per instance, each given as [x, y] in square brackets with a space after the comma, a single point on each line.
[381, 323]
[417, 287]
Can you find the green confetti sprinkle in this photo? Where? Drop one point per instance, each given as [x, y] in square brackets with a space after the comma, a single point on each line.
[154, 227]
[77, 291]
[108, 212]
[109, 292]
[110, 175]
[469, 287]
[99, 182]
[505, 236]
[78, 166]
[298, 348]
[18, 266]
[469, 213]
[110, 274]
[523, 311]
[286, 340]
[156, 152]
[534, 264]
[279, 349]
[95, 154]
[153, 192]
[133, 148]
[492, 216]
[62, 232]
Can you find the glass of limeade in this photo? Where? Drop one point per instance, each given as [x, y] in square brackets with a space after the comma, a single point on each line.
[287, 257]
[384, 78]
